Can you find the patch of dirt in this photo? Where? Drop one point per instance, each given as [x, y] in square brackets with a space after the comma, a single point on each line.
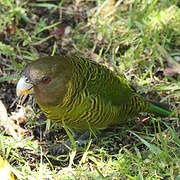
[8, 95]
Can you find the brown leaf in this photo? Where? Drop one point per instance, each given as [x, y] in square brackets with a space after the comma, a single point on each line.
[171, 71]
[58, 32]
[3, 114]
[174, 66]
[11, 29]
[12, 124]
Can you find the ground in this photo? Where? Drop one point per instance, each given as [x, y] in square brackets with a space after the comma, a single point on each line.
[138, 39]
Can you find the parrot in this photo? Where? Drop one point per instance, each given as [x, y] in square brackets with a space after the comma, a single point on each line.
[82, 93]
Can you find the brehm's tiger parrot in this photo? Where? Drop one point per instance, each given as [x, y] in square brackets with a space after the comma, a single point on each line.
[82, 93]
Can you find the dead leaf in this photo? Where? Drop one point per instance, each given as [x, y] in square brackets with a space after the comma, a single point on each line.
[3, 114]
[174, 66]
[11, 29]
[5, 170]
[12, 124]
[173, 71]
[58, 32]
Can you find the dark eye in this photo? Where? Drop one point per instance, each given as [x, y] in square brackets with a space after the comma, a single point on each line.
[45, 80]
[27, 80]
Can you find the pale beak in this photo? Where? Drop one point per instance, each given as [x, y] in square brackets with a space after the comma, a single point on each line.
[24, 88]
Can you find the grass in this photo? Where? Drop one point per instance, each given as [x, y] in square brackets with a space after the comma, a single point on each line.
[139, 39]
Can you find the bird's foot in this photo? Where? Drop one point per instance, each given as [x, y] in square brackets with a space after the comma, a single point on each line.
[80, 141]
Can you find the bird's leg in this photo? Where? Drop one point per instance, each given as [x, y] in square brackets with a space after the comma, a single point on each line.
[80, 140]
[65, 147]
[83, 139]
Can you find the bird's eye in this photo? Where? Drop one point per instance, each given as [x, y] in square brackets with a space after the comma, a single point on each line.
[27, 80]
[45, 80]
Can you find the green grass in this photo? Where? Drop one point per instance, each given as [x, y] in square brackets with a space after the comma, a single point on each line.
[139, 39]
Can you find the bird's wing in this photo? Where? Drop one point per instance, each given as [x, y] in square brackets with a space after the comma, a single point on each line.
[102, 82]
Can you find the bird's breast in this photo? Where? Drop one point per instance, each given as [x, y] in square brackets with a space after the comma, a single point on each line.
[82, 112]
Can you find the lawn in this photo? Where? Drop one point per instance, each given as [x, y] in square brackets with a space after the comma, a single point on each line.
[139, 39]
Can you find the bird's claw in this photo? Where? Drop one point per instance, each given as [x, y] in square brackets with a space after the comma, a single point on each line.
[80, 142]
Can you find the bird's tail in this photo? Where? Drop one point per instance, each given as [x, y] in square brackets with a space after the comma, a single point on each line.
[159, 111]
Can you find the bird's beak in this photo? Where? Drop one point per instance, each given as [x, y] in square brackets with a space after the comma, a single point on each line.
[23, 88]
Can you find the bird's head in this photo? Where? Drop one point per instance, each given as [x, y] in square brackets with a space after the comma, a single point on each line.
[47, 79]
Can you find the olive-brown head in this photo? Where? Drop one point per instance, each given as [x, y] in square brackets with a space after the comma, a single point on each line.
[47, 78]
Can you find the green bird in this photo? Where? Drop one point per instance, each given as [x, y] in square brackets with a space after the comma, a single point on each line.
[82, 93]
